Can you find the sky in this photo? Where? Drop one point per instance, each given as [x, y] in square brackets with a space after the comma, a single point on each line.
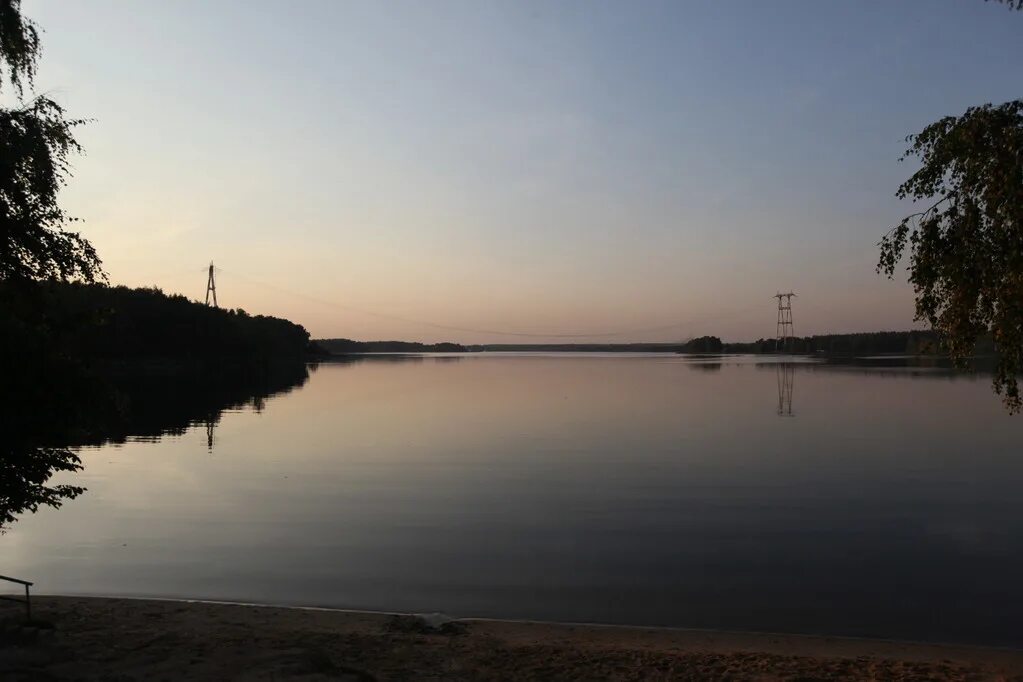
[514, 171]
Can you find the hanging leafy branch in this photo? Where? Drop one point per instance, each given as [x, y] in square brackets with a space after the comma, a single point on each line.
[19, 45]
[966, 247]
[23, 478]
[36, 141]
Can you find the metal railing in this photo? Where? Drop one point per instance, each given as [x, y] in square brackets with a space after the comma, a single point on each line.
[28, 597]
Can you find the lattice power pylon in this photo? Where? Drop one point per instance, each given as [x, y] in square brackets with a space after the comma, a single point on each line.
[211, 288]
[785, 328]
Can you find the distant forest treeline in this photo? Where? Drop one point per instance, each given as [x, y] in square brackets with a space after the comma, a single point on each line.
[908, 342]
[916, 342]
[348, 346]
[579, 347]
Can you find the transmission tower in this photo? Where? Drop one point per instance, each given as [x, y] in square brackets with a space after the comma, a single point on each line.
[785, 328]
[211, 288]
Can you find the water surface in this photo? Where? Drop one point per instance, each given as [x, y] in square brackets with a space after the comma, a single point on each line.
[646, 489]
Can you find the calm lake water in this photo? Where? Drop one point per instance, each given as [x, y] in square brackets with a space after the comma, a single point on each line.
[646, 489]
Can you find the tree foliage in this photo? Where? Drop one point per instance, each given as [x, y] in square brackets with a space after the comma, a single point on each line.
[19, 46]
[917, 342]
[703, 344]
[94, 324]
[24, 476]
[36, 141]
[966, 247]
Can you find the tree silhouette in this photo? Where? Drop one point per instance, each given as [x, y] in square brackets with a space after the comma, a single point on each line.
[36, 141]
[23, 477]
[966, 247]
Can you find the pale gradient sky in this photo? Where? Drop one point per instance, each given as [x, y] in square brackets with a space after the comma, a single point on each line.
[541, 167]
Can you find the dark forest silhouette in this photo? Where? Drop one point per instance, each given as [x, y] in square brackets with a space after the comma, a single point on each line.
[88, 364]
[885, 342]
[98, 322]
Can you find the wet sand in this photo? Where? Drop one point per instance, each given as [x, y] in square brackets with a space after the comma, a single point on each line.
[125, 639]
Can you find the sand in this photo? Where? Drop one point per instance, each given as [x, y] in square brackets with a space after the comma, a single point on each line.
[124, 639]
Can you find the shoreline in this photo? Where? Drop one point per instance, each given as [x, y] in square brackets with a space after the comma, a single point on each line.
[554, 623]
[136, 638]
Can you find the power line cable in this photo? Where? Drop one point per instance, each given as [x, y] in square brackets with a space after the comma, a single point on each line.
[494, 332]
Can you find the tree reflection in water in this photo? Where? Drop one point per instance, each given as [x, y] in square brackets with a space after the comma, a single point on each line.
[53, 408]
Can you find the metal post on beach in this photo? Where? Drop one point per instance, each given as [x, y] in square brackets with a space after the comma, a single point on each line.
[28, 596]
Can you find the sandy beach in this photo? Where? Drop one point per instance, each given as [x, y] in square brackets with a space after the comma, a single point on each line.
[126, 639]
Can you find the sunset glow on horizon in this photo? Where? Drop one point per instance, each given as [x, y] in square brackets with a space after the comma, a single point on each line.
[504, 173]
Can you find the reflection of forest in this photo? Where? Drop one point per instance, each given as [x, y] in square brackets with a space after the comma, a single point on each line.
[89, 364]
[51, 415]
[887, 366]
[152, 405]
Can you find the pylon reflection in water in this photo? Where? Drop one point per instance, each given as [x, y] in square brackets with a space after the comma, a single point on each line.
[786, 373]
